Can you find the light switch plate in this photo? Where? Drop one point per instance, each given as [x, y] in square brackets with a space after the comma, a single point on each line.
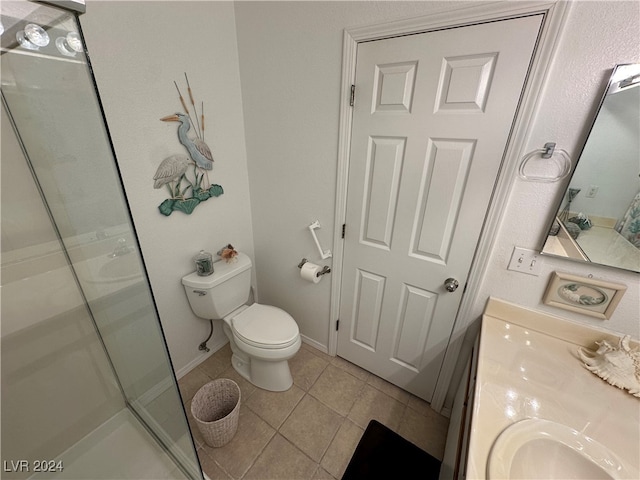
[525, 261]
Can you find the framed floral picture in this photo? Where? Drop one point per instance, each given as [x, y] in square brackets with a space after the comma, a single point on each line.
[596, 298]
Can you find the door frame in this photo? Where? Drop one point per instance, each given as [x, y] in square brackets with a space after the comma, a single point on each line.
[555, 15]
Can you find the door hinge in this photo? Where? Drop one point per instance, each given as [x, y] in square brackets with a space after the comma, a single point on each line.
[352, 99]
[344, 227]
[337, 325]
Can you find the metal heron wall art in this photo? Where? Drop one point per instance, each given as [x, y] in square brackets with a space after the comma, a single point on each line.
[173, 170]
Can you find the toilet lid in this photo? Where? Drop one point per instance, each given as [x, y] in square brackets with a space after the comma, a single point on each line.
[265, 326]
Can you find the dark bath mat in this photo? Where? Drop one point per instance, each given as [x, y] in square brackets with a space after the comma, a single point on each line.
[383, 454]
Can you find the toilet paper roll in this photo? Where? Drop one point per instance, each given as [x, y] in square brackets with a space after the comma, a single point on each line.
[309, 271]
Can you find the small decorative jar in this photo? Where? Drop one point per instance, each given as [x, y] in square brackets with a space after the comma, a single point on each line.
[204, 263]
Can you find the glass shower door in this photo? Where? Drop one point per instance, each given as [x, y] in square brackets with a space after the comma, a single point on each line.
[81, 241]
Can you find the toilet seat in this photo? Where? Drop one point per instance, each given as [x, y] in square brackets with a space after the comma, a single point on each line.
[265, 326]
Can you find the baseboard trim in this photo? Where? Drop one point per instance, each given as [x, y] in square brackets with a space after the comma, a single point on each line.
[314, 344]
[217, 345]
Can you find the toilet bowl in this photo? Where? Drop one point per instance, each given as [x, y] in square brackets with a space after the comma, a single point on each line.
[262, 337]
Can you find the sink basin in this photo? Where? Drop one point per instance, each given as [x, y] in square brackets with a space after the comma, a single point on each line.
[125, 267]
[542, 449]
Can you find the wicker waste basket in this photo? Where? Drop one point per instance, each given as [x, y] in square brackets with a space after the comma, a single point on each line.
[215, 408]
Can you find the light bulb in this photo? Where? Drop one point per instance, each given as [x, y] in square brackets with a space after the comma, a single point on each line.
[1, 28]
[70, 44]
[36, 35]
[24, 43]
[74, 41]
[63, 47]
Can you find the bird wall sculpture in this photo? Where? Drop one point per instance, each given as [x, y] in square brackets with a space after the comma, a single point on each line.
[170, 173]
[197, 148]
[173, 170]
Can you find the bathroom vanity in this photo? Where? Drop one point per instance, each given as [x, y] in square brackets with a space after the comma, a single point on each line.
[528, 408]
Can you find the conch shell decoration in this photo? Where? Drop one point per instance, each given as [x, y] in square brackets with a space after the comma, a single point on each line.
[619, 366]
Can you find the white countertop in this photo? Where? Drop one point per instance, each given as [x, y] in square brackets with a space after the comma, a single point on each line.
[598, 245]
[608, 247]
[528, 368]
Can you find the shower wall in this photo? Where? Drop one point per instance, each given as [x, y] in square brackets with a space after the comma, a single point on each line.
[57, 384]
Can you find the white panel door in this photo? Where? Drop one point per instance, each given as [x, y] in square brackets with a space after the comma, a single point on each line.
[432, 118]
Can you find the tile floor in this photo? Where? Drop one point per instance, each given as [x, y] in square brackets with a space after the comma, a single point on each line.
[311, 430]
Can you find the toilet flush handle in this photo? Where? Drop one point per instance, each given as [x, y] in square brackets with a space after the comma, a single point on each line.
[201, 293]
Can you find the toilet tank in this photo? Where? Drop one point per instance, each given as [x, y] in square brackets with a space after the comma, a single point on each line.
[220, 293]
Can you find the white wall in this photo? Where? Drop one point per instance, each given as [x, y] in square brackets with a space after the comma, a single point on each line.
[598, 35]
[290, 65]
[610, 160]
[137, 50]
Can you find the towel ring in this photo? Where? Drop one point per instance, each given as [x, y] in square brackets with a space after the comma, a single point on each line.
[560, 158]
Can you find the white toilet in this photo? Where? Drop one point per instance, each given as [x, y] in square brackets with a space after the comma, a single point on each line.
[263, 338]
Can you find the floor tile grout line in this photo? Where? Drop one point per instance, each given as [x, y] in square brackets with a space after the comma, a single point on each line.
[318, 464]
[316, 380]
[277, 429]
[286, 418]
[345, 419]
[218, 464]
[357, 396]
[343, 365]
[259, 454]
[300, 450]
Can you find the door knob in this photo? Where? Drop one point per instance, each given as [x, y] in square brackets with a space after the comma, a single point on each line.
[451, 284]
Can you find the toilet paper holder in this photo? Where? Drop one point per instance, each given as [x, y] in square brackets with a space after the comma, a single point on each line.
[324, 270]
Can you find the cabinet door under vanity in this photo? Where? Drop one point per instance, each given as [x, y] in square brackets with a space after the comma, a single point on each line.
[455, 454]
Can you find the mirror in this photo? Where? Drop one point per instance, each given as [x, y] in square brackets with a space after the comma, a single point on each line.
[598, 219]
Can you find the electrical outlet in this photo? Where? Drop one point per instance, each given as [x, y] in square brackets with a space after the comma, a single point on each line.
[592, 191]
[525, 261]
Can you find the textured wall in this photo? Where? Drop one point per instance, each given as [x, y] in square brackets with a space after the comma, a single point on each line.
[598, 36]
[291, 118]
[290, 63]
[290, 66]
[138, 49]
[290, 56]
[610, 161]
